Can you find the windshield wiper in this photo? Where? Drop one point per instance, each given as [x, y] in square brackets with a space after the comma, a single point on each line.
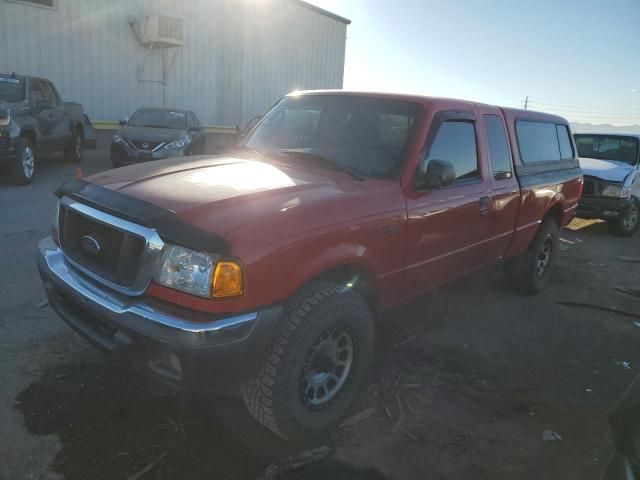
[321, 160]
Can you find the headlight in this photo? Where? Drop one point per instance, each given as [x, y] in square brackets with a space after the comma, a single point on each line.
[118, 139]
[186, 270]
[182, 142]
[617, 191]
[199, 273]
[5, 120]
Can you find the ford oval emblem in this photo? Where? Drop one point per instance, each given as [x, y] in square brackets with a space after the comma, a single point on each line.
[90, 244]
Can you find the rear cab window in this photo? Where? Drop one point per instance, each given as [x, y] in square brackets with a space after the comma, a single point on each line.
[543, 142]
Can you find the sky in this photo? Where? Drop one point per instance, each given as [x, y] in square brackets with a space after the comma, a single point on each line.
[578, 58]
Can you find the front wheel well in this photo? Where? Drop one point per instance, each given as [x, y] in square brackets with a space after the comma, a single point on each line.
[356, 277]
[31, 136]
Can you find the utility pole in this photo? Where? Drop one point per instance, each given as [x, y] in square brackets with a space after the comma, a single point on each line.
[526, 102]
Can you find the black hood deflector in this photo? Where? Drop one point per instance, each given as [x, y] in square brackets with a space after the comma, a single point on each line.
[167, 223]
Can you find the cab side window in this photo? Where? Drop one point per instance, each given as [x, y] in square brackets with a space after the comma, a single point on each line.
[50, 93]
[35, 91]
[455, 142]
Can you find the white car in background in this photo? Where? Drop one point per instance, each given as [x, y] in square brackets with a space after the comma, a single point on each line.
[610, 165]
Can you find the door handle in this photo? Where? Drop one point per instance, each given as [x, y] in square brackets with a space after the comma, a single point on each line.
[485, 205]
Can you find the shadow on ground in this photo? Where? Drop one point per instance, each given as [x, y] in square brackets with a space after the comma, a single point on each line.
[113, 424]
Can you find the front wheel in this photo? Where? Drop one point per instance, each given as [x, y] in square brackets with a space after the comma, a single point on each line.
[24, 166]
[627, 223]
[316, 364]
[531, 272]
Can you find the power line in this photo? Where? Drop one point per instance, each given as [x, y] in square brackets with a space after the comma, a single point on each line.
[584, 114]
[565, 106]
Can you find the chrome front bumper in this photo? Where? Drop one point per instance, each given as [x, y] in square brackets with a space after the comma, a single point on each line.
[142, 330]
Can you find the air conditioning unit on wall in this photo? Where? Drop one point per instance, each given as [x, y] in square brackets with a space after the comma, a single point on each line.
[161, 31]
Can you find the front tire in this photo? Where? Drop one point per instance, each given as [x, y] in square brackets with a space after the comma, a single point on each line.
[24, 166]
[628, 222]
[531, 272]
[74, 151]
[316, 364]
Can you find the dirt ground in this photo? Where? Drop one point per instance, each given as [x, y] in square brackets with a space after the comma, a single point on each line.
[465, 381]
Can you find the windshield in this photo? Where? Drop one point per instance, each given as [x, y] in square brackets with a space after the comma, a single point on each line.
[608, 147]
[159, 119]
[365, 135]
[11, 90]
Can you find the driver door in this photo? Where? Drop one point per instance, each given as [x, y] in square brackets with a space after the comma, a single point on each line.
[448, 226]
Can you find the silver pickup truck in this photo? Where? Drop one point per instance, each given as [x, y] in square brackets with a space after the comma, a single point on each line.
[610, 165]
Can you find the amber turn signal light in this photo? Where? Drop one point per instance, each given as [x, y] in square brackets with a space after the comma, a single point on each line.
[227, 280]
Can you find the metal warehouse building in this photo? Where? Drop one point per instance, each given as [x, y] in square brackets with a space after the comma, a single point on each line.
[227, 60]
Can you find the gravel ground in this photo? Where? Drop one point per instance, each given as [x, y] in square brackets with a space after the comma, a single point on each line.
[465, 382]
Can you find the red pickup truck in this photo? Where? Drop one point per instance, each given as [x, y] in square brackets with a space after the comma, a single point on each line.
[264, 268]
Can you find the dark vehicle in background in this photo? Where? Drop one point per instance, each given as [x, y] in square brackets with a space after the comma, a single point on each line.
[157, 133]
[610, 165]
[34, 121]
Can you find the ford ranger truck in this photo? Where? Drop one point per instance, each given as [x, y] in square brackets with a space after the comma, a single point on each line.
[611, 168]
[34, 121]
[263, 269]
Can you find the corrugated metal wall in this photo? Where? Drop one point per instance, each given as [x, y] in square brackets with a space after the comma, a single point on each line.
[240, 55]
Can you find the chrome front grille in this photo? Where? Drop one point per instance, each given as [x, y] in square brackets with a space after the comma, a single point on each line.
[145, 146]
[113, 251]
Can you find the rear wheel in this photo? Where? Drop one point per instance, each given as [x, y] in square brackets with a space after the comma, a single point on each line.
[531, 272]
[24, 166]
[74, 151]
[628, 222]
[316, 364]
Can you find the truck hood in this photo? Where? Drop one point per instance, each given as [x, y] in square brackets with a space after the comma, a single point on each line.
[607, 170]
[220, 194]
[150, 134]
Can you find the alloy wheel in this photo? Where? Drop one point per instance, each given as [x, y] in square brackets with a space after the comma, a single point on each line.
[327, 367]
[78, 146]
[630, 220]
[28, 162]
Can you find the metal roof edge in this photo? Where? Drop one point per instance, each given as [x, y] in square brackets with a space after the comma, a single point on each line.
[321, 11]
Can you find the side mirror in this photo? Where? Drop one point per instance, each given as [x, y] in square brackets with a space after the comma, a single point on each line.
[44, 104]
[439, 174]
[122, 122]
[195, 128]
